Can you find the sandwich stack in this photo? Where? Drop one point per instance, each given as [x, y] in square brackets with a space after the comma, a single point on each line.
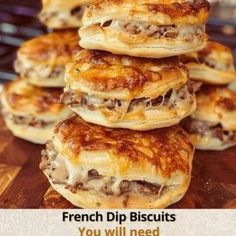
[30, 103]
[125, 148]
[213, 125]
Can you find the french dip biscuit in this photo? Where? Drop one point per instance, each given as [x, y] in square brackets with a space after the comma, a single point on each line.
[213, 125]
[31, 112]
[127, 92]
[212, 65]
[62, 14]
[96, 167]
[42, 60]
[145, 28]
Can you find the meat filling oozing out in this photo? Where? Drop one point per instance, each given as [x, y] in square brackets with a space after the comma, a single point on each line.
[203, 128]
[210, 62]
[172, 98]
[186, 33]
[56, 169]
[39, 71]
[27, 120]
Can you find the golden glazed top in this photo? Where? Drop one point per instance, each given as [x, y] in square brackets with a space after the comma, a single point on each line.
[53, 48]
[23, 97]
[168, 150]
[217, 97]
[104, 72]
[160, 11]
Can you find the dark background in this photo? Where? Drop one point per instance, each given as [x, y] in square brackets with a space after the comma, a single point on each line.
[18, 23]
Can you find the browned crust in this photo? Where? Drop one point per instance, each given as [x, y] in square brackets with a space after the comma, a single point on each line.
[172, 8]
[30, 98]
[221, 97]
[110, 72]
[167, 146]
[58, 47]
[227, 104]
[176, 9]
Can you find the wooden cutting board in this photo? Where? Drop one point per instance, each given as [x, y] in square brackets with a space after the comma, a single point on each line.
[23, 185]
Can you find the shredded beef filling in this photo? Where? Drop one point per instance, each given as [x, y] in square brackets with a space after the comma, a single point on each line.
[214, 64]
[168, 31]
[91, 102]
[59, 175]
[187, 33]
[30, 121]
[205, 128]
[43, 71]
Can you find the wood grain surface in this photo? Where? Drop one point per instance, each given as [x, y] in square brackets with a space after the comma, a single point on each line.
[22, 184]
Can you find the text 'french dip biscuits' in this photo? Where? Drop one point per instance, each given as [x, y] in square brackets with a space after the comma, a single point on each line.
[127, 92]
[213, 125]
[97, 167]
[145, 28]
[213, 65]
[42, 60]
[31, 112]
[62, 14]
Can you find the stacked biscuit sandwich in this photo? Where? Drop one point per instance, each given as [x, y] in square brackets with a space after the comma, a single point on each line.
[124, 148]
[213, 125]
[30, 103]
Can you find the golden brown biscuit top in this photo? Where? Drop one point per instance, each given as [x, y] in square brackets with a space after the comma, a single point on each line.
[198, 9]
[53, 48]
[104, 71]
[166, 149]
[23, 97]
[178, 9]
[215, 99]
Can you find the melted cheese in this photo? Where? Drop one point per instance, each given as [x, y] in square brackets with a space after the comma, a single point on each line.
[71, 174]
[115, 187]
[75, 172]
[97, 184]
[60, 171]
[179, 99]
[185, 32]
